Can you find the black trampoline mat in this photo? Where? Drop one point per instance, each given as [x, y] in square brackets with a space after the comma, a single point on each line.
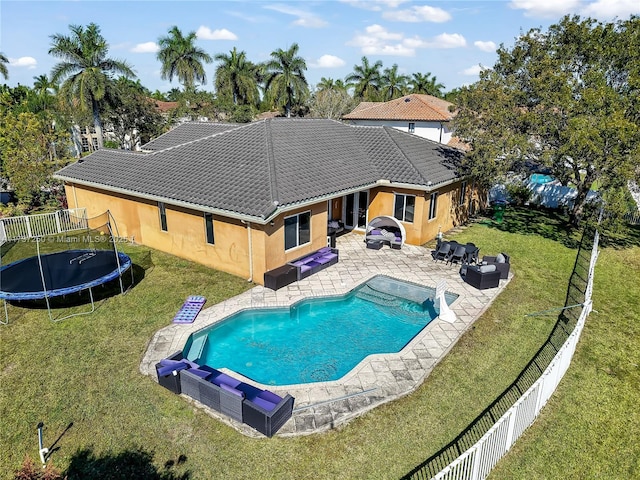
[71, 268]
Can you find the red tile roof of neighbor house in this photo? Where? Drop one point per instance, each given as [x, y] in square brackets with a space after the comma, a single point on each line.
[456, 142]
[164, 107]
[410, 107]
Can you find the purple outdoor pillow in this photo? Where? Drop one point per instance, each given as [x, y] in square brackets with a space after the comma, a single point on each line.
[165, 362]
[199, 373]
[375, 231]
[166, 370]
[223, 378]
[261, 402]
[228, 388]
[270, 396]
[325, 250]
[299, 263]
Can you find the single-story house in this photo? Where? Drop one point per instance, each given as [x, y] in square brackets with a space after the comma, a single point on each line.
[246, 199]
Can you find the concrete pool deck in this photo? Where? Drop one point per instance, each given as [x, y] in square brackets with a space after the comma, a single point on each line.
[379, 378]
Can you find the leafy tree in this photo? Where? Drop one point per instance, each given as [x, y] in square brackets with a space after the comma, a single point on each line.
[393, 85]
[25, 145]
[331, 103]
[182, 59]
[158, 95]
[284, 78]
[566, 99]
[426, 84]
[132, 114]
[366, 79]
[237, 78]
[85, 69]
[3, 66]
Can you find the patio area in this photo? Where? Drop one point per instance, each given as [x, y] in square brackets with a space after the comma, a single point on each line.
[379, 378]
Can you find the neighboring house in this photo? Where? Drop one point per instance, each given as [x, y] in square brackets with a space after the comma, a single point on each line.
[422, 115]
[247, 199]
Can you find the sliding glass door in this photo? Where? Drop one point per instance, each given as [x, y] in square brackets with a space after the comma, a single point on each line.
[355, 210]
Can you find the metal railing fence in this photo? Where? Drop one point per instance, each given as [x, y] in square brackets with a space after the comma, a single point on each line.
[43, 224]
[475, 451]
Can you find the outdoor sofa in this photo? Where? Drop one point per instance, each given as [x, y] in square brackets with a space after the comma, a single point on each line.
[482, 276]
[262, 410]
[300, 268]
[501, 261]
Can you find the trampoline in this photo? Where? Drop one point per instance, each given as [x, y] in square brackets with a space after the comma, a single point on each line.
[62, 273]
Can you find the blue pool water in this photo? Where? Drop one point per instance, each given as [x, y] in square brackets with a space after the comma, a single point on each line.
[541, 178]
[318, 339]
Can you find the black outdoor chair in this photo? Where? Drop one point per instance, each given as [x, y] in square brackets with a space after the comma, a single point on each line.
[443, 251]
[471, 253]
[457, 255]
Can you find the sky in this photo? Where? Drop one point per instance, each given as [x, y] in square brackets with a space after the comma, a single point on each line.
[450, 39]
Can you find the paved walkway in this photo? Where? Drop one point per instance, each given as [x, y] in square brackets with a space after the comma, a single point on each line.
[379, 378]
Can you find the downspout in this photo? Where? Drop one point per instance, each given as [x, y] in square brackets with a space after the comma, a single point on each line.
[440, 141]
[248, 224]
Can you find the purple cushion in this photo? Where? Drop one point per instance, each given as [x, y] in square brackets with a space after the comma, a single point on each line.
[375, 231]
[270, 397]
[223, 378]
[313, 264]
[166, 370]
[228, 388]
[299, 263]
[199, 373]
[165, 362]
[305, 268]
[325, 250]
[266, 404]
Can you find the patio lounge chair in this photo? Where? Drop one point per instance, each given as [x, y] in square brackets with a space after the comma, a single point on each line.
[471, 253]
[443, 252]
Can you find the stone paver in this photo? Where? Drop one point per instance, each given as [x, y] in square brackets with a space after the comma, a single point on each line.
[377, 379]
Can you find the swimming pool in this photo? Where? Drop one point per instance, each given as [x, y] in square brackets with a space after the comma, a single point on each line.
[540, 178]
[318, 339]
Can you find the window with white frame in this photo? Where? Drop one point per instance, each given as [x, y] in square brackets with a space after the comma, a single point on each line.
[412, 127]
[85, 144]
[463, 193]
[297, 230]
[404, 207]
[208, 227]
[433, 205]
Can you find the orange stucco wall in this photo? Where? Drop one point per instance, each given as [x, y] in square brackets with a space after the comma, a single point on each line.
[236, 241]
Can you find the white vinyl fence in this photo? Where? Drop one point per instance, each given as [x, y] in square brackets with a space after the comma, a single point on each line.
[476, 463]
[32, 226]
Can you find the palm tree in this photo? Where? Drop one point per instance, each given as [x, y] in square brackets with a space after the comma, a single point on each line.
[331, 84]
[237, 78]
[426, 83]
[182, 59]
[3, 66]
[284, 77]
[85, 69]
[366, 79]
[394, 85]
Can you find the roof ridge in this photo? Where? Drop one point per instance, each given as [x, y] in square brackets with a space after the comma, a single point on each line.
[387, 131]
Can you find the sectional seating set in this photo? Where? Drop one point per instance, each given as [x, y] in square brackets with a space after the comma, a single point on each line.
[377, 237]
[262, 410]
[300, 268]
[489, 272]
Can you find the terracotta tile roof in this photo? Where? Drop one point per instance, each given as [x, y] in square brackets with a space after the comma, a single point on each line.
[164, 107]
[456, 142]
[415, 106]
[257, 169]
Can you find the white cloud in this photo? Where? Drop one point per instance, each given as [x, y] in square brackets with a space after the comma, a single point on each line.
[328, 61]
[305, 18]
[417, 14]
[609, 9]
[485, 46]
[28, 62]
[377, 40]
[374, 5]
[205, 33]
[473, 70]
[147, 47]
[546, 8]
[448, 40]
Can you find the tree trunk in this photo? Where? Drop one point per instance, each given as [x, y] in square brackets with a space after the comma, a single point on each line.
[575, 215]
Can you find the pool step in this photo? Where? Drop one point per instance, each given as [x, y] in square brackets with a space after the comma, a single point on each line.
[380, 298]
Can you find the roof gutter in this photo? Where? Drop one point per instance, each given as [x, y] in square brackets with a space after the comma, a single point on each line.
[168, 201]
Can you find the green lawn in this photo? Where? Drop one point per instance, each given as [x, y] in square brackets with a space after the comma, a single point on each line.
[84, 371]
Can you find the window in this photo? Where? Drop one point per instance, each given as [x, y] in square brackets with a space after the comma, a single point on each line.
[208, 227]
[433, 205]
[297, 230]
[95, 143]
[85, 144]
[404, 207]
[412, 127]
[463, 193]
[163, 216]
